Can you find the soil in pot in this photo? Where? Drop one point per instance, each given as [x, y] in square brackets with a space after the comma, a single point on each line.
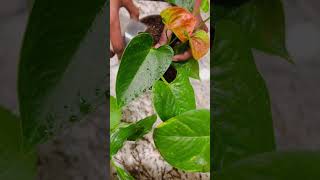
[155, 26]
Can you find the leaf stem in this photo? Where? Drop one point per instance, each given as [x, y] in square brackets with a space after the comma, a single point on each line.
[164, 80]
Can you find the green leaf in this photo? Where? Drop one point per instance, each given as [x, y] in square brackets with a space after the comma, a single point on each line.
[188, 4]
[123, 174]
[191, 66]
[172, 99]
[63, 67]
[184, 141]
[14, 163]
[242, 123]
[141, 65]
[131, 132]
[262, 22]
[205, 5]
[275, 166]
[115, 113]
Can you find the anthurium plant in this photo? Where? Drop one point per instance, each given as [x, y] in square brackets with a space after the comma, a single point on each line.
[183, 136]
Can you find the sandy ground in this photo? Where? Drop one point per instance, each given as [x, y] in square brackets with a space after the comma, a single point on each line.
[294, 92]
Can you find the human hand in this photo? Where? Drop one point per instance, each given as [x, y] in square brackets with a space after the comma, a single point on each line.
[115, 30]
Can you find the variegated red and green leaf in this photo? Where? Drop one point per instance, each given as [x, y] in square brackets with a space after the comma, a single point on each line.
[180, 21]
[199, 43]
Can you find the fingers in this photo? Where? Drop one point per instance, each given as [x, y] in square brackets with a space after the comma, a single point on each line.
[115, 31]
[132, 9]
[183, 57]
[164, 38]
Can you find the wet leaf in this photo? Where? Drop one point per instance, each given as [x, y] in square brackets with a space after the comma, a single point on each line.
[199, 44]
[141, 65]
[63, 63]
[242, 121]
[180, 21]
[184, 141]
[131, 132]
[14, 162]
[178, 95]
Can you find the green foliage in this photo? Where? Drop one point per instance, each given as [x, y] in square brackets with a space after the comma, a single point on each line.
[184, 140]
[205, 5]
[191, 66]
[188, 4]
[115, 113]
[141, 65]
[178, 95]
[240, 100]
[121, 173]
[15, 164]
[61, 76]
[261, 21]
[131, 132]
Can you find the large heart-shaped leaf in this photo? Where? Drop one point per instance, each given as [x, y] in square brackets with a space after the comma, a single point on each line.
[63, 66]
[14, 163]
[172, 99]
[275, 166]
[115, 113]
[180, 21]
[262, 22]
[141, 65]
[184, 141]
[199, 43]
[131, 132]
[242, 122]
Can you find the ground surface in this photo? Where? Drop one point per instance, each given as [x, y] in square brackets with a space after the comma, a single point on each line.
[294, 93]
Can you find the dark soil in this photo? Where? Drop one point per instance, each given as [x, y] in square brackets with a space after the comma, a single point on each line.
[170, 74]
[155, 26]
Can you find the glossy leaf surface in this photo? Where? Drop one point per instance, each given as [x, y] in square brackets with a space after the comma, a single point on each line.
[242, 122]
[199, 44]
[131, 132]
[172, 99]
[14, 163]
[63, 67]
[180, 21]
[141, 65]
[184, 141]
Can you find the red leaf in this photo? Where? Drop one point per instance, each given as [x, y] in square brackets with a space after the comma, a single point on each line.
[199, 44]
[180, 21]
